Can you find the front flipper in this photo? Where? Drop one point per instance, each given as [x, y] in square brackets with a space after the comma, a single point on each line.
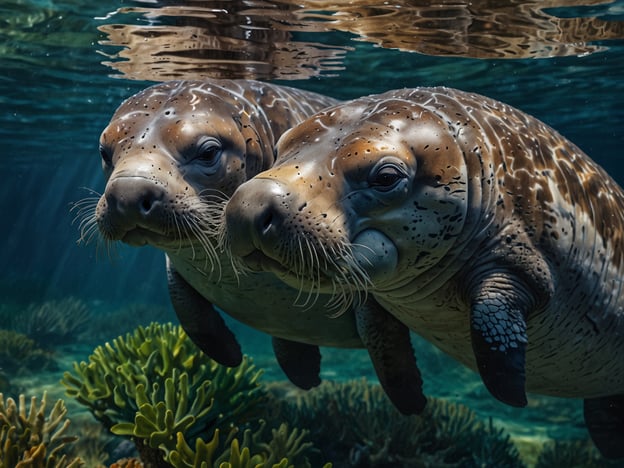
[201, 322]
[499, 339]
[300, 362]
[388, 343]
[604, 418]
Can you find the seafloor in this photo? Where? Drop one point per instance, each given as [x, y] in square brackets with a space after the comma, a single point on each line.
[48, 338]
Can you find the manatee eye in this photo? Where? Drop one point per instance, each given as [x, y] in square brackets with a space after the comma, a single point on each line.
[106, 155]
[386, 177]
[209, 151]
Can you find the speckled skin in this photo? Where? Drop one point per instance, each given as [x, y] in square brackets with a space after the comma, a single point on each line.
[172, 154]
[478, 226]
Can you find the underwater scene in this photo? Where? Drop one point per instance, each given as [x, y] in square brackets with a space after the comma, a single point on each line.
[423, 278]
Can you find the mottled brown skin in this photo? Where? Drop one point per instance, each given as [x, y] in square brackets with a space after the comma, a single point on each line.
[478, 226]
[172, 155]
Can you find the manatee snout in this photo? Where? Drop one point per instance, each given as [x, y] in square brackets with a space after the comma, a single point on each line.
[130, 203]
[256, 216]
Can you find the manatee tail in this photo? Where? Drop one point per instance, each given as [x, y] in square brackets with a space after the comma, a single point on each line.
[604, 417]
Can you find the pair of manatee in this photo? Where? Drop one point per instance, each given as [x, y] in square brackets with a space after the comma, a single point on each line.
[429, 209]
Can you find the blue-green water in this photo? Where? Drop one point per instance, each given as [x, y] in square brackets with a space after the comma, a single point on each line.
[57, 95]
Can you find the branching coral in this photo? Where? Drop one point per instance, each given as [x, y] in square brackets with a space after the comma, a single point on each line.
[286, 449]
[286, 444]
[114, 383]
[32, 439]
[180, 410]
[355, 421]
[19, 354]
[155, 386]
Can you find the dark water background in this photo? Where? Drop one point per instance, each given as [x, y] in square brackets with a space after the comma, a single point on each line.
[56, 96]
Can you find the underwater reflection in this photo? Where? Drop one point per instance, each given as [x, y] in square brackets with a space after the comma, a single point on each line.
[477, 29]
[217, 39]
[165, 39]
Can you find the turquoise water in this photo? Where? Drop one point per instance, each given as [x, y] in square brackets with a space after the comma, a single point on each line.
[66, 66]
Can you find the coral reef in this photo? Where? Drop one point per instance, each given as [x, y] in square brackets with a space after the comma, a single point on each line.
[155, 387]
[355, 423]
[182, 410]
[285, 449]
[32, 439]
[117, 379]
[21, 355]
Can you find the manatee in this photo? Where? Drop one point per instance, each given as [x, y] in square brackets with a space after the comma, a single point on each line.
[476, 225]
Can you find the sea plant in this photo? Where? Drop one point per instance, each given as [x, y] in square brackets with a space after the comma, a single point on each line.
[32, 439]
[48, 323]
[156, 387]
[52, 323]
[573, 454]
[354, 421]
[95, 442]
[287, 448]
[20, 355]
[127, 463]
[180, 410]
[115, 381]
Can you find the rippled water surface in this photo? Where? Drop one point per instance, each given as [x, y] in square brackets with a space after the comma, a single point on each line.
[66, 65]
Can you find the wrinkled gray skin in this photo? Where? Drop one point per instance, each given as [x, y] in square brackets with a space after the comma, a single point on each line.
[479, 227]
[172, 155]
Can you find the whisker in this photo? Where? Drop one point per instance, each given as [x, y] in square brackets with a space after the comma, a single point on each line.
[237, 265]
[85, 217]
[316, 269]
[173, 223]
[93, 192]
[208, 194]
[207, 243]
[352, 280]
[309, 264]
[90, 232]
[110, 248]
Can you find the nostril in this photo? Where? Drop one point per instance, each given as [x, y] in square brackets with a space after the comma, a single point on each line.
[146, 205]
[266, 222]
